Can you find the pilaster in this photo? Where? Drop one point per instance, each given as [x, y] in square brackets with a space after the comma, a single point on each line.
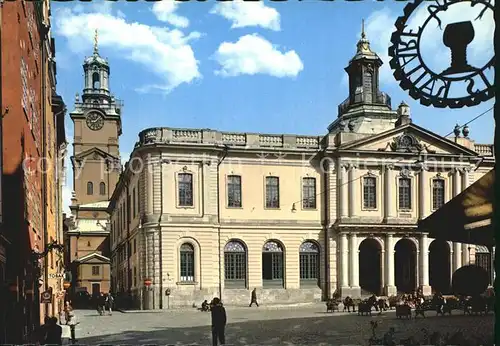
[465, 178]
[353, 183]
[343, 193]
[457, 182]
[421, 193]
[389, 197]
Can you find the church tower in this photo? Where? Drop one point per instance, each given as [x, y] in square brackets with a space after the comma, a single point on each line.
[366, 105]
[97, 128]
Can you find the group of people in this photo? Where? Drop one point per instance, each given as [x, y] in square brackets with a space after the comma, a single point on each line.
[105, 303]
[51, 331]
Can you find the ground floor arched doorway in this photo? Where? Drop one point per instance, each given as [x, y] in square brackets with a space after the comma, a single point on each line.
[439, 266]
[370, 266]
[405, 258]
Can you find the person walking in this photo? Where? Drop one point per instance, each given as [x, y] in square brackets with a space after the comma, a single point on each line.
[219, 320]
[109, 303]
[254, 298]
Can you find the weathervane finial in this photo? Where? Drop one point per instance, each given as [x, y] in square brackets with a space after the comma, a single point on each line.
[363, 35]
[95, 42]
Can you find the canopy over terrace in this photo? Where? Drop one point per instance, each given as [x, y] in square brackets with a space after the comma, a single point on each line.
[467, 218]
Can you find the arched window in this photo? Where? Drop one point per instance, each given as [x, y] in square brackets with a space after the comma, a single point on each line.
[235, 265]
[187, 262]
[96, 82]
[90, 188]
[309, 263]
[272, 265]
[102, 188]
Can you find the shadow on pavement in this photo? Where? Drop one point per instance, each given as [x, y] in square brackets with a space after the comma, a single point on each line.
[334, 330]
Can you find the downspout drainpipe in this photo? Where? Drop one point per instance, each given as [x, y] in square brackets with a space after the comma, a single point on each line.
[160, 254]
[224, 154]
[129, 277]
[326, 227]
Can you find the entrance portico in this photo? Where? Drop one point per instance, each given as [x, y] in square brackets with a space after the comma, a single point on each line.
[391, 262]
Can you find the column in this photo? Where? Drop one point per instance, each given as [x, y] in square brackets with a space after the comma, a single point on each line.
[343, 197]
[424, 265]
[457, 256]
[354, 262]
[344, 262]
[352, 190]
[466, 255]
[389, 196]
[421, 193]
[390, 288]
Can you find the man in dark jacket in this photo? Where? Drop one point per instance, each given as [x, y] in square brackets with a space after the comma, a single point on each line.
[218, 322]
[254, 298]
[54, 333]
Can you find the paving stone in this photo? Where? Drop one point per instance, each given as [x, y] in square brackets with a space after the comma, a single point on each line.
[308, 325]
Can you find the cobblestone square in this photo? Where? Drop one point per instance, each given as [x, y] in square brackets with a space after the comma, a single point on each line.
[309, 325]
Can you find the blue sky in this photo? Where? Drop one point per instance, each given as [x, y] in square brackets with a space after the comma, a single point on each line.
[267, 67]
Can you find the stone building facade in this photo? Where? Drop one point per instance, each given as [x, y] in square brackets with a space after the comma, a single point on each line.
[96, 168]
[32, 134]
[199, 213]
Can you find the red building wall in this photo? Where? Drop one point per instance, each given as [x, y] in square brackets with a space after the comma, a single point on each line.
[22, 121]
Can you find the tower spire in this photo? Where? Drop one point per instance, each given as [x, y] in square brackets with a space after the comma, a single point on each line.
[363, 35]
[96, 51]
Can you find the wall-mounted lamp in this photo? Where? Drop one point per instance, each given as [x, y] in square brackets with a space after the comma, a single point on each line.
[294, 209]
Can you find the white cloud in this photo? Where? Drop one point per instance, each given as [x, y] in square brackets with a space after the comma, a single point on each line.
[243, 14]
[165, 12]
[166, 52]
[252, 54]
[380, 26]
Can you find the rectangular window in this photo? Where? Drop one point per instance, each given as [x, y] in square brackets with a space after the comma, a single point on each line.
[185, 189]
[135, 246]
[309, 193]
[272, 192]
[234, 191]
[370, 192]
[95, 270]
[404, 193]
[135, 276]
[437, 193]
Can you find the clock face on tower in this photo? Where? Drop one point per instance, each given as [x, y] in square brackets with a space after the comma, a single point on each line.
[95, 121]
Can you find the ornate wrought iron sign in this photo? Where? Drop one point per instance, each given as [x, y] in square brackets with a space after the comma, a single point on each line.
[458, 85]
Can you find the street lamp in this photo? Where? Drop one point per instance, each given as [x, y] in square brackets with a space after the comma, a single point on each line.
[36, 256]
